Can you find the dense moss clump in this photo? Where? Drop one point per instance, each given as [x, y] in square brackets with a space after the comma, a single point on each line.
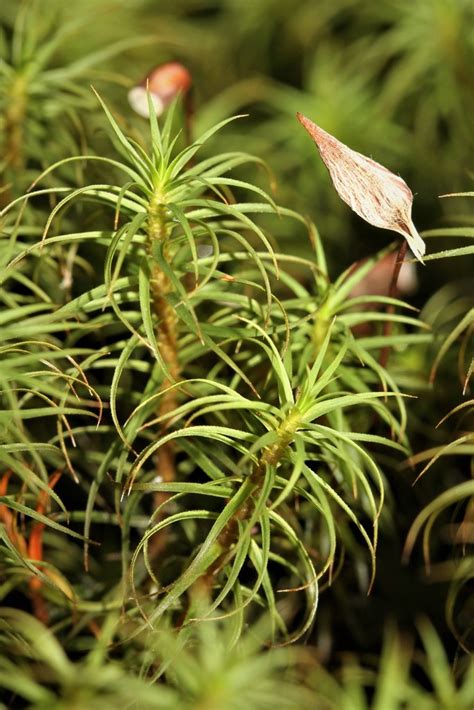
[215, 400]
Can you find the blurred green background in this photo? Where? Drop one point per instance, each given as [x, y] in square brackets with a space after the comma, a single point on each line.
[394, 80]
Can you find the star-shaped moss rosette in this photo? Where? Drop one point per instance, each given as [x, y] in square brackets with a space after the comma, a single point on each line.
[371, 191]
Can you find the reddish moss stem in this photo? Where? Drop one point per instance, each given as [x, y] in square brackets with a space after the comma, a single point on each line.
[167, 339]
[271, 456]
[387, 328]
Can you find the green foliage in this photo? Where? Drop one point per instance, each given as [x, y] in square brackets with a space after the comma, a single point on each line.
[202, 431]
[207, 666]
[267, 428]
[40, 97]
[389, 684]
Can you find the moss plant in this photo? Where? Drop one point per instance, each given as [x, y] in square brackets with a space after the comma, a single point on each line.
[205, 435]
[282, 376]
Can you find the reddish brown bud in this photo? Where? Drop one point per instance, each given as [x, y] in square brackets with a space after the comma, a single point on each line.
[373, 192]
[164, 83]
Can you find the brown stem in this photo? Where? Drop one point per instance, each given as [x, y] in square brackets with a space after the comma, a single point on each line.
[166, 336]
[271, 456]
[13, 132]
[387, 327]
